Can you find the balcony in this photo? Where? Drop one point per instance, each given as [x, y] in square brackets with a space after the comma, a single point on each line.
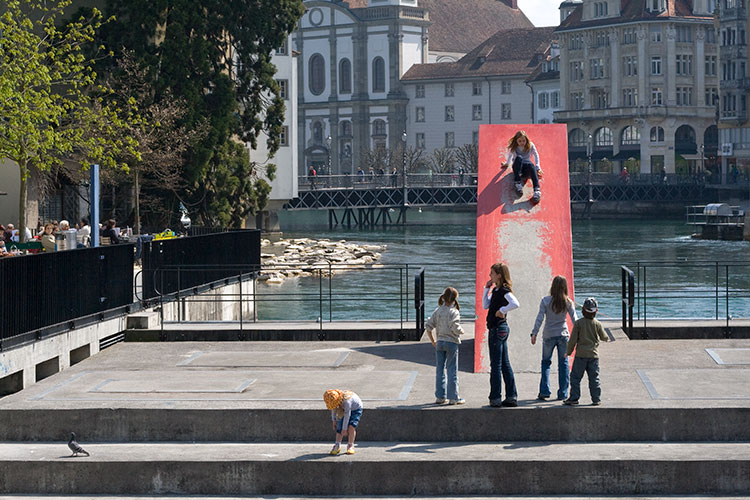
[391, 12]
[632, 113]
[734, 14]
[733, 52]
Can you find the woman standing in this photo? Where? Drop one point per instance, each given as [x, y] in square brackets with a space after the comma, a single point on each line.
[499, 300]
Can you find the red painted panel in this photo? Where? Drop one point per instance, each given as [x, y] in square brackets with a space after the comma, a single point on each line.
[534, 240]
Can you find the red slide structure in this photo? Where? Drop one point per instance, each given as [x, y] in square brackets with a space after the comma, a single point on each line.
[534, 240]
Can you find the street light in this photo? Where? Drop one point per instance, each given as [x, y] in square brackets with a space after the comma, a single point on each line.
[328, 141]
[703, 162]
[403, 161]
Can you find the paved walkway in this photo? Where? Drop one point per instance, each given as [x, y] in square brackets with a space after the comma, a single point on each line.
[635, 374]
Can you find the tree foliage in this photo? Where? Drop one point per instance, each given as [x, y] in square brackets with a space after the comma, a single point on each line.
[216, 56]
[442, 160]
[51, 106]
[467, 156]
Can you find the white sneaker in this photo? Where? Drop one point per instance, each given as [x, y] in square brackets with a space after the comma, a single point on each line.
[537, 196]
[458, 401]
[441, 401]
[519, 188]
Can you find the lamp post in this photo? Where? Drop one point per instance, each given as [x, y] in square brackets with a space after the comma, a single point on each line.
[403, 163]
[590, 152]
[703, 162]
[328, 165]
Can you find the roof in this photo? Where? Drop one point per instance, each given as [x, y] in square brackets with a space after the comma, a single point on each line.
[507, 52]
[461, 25]
[632, 11]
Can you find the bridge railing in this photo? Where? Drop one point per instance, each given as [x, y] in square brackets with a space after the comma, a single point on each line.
[375, 181]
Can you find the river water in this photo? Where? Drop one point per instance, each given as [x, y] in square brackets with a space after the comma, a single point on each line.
[444, 244]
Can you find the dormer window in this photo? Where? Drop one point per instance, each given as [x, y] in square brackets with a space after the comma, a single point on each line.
[600, 9]
[656, 5]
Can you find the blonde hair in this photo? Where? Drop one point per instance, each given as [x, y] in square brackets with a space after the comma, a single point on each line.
[339, 410]
[450, 296]
[504, 272]
[513, 142]
[559, 293]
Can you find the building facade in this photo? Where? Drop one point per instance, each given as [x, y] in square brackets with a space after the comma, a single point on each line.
[448, 102]
[639, 81]
[545, 86]
[734, 130]
[352, 57]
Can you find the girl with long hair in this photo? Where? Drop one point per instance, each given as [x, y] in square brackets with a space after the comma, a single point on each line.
[519, 154]
[499, 300]
[553, 311]
[446, 321]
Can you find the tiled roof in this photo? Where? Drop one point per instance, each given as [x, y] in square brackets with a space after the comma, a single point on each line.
[631, 11]
[507, 52]
[461, 25]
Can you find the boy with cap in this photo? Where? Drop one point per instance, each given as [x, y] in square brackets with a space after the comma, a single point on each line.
[585, 337]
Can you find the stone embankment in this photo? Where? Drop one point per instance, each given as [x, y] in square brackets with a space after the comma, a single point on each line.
[300, 257]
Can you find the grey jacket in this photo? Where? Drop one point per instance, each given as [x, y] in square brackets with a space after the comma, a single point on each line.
[555, 324]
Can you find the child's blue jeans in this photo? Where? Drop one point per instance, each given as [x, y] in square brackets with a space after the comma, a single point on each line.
[563, 375]
[591, 367]
[446, 360]
[525, 169]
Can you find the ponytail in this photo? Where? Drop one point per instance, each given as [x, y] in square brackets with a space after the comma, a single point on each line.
[450, 295]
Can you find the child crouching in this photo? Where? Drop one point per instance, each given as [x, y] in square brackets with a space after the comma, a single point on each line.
[346, 410]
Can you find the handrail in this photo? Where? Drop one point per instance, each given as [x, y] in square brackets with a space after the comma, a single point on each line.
[628, 299]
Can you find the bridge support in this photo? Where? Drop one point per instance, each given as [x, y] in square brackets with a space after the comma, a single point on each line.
[366, 217]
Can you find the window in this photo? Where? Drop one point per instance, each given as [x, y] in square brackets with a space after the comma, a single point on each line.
[684, 34]
[420, 115]
[600, 9]
[282, 51]
[419, 91]
[601, 39]
[284, 137]
[577, 138]
[317, 72]
[476, 112]
[450, 140]
[710, 65]
[346, 128]
[283, 89]
[684, 65]
[684, 96]
[630, 66]
[542, 100]
[378, 127]
[317, 129]
[596, 68]
[656, 94]
[657, 134]
[630, 136]
[476, 88]
[576, 100]
[599, 100]
[543, 120]
[505, 87]
[575, 42]
[630, 97]
[710, 34]
[655, 33]
[655, 5]
[475, 137]
[555, 99]
[420, 140]
[629, 36]
[603, 137]
[576, 71]
[378, 75]
[345, 77]
[712, 96]
[449, 114]
[449, 90]
[656, 65]
[505, 111]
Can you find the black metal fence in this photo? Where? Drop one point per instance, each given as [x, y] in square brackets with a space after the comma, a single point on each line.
[44, 292]
[221, 256]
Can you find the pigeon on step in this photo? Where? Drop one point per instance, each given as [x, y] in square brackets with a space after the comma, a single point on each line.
[75, 447]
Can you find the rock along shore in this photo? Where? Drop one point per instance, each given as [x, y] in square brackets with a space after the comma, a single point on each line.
[300, 257]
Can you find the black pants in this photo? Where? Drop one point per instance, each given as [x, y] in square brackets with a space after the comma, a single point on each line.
[525, 169]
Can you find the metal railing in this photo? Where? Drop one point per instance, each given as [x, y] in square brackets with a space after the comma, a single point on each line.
[711, 290]
[697, 215]
[331, 302]
[385, 180]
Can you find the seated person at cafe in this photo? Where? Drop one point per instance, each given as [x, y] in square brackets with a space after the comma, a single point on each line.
[109, 232]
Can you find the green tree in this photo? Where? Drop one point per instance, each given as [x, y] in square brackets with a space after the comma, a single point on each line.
[51, 107]
[215, 56]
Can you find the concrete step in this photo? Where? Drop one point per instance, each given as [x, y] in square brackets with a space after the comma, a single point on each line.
[428, 468]
[418, 423]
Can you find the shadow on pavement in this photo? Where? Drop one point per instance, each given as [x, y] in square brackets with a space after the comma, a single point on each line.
[422, 353]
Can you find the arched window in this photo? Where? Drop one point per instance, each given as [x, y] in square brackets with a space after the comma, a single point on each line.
[345, 77]
[318, 133]
[378, 128]
[378, 75]
[577, 138]
[345, 128]
[657, 134]
[317, 74]
[603, 137]
[630, 135]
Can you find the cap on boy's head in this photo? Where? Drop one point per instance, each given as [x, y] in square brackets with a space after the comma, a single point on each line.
[590, 305]
[333, 398]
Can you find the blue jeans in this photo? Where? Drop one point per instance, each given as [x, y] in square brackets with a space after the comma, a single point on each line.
[446, 360]
[497, 340]
[525, 169]
[591, 367]
[563, 375]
